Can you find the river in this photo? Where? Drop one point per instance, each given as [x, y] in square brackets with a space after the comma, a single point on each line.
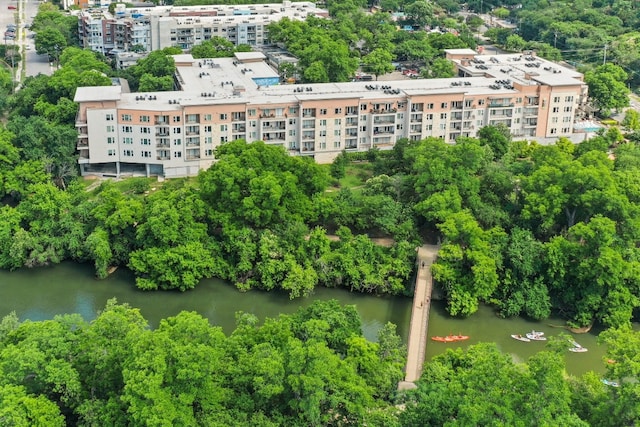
[39, 294]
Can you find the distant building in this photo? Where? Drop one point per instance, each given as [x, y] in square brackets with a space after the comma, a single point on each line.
[154, 28]
[224, 99]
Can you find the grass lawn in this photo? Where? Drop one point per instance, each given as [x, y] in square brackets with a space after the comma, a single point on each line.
[355, 176]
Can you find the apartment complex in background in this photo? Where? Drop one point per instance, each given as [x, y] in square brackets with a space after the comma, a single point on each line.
[153, 28]
[224, 99]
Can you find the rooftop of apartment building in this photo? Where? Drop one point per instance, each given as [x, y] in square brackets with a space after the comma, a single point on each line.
[524, 68]
[248, 78]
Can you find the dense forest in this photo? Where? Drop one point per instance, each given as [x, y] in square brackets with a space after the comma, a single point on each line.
[311, 368]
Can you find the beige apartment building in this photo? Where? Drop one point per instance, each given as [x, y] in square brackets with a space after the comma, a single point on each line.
[157, 27]
[218, 100]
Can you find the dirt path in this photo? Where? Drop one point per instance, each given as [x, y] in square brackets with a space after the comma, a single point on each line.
[419, 325]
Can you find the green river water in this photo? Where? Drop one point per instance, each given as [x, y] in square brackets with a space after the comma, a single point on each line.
[39, 294]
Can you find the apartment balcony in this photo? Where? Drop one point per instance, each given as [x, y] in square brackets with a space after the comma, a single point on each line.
[274, 127]
[162, 132]
[501, 105]
[383, 110]
[530, 124]
[193, 157]
[384, 120]
[415, 129]
[239, 117]
[274, 136]
[383, 131]
[84, 157]
[351, 112]
[456, 116]
[192, 132]
[351, 144]
[352, 121]
[82, 145]
[163, 157]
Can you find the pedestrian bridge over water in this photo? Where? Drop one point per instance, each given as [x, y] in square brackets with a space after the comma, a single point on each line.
[417, 342]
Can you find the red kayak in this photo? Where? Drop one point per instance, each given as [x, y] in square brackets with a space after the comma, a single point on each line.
[450, 338]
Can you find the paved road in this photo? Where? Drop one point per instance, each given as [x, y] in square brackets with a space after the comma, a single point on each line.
[22, 16]
[36, 64]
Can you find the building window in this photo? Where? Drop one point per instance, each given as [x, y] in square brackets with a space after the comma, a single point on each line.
[428, 116]
[224, 139]
[144, 119]
[251, 112]
[553, 131]
[145, 130]
[177, 142]
[568, 99]
[208, 152]
[111, 140]
[208, 140]
[127, 140]
[568, 109]
[443, 116]
[565, 130]
[176, 119]
[336, 144]
[338, 110]
[192, 118]
[145, 141]
[443, 105]
[223, 128]
[322, 133]
[109, 118]
[338, 122]
[145, 153]
[566, 119]
[323, 122]
[480, 101]
[111, 153]
[556, 99]
[127, 129]
[177, 130]
[323, 111]
[293, 110]
[111, 128]
[554, 120]
[363, 107]
[207, 117]
[177, 154]
[429, 106]
[223, 116]
[128, 153]
[556, 109]
[126, 117]
[323, 145]
[336, 132]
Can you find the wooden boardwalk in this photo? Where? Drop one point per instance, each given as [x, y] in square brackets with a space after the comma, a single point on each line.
[419, 326]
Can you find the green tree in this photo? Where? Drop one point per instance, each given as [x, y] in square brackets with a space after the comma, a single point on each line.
[50, 41]
[378, 62]
[631, 121]
[607, 86]
[440, 68]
